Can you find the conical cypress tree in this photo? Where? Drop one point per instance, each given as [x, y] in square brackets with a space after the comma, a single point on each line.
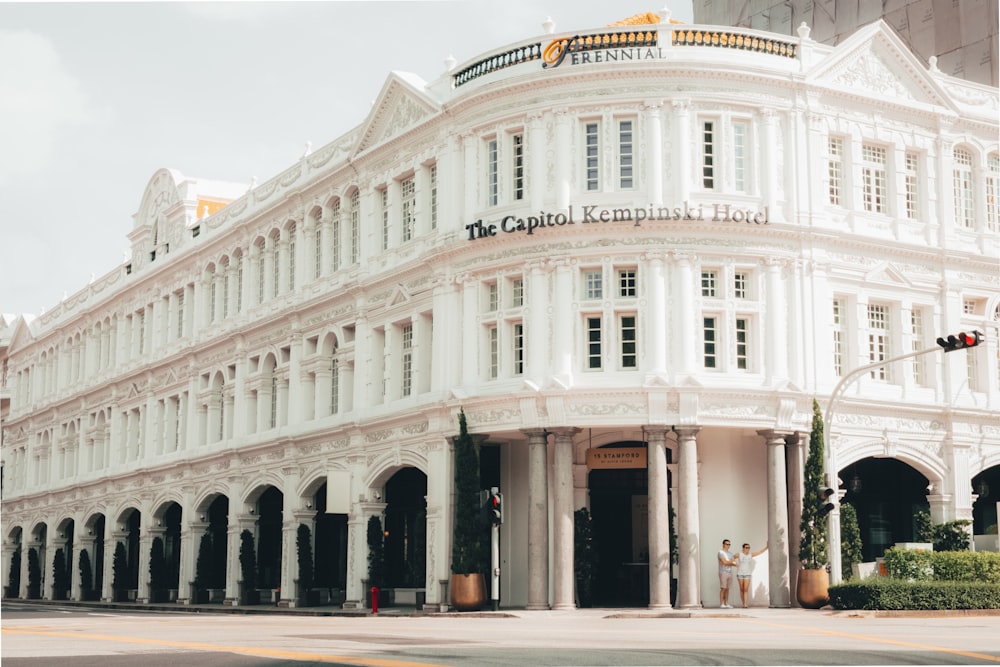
[812, 546]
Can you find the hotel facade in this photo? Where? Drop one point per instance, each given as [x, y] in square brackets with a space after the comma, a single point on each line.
[632, 255]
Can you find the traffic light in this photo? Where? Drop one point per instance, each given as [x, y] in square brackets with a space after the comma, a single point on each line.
[825, 504]
[495, 507]
[961, 341]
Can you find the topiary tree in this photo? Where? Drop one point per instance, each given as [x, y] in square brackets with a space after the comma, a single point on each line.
[119, 570]
[34, 575]
[157, 569]
[60, 575]
[376, 552]
[203, 578]
[812, 545]
[469, 547]
[952, 535]
[850, 540]
[86, 575]
[14, 575]
[303, 545]
[584, 556]
[923, 528]
[248, 559]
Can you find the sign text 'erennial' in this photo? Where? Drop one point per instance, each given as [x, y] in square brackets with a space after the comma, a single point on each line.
[597, 215]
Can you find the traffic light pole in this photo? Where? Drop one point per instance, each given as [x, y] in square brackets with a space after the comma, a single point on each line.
[830, 467]
[495, 566]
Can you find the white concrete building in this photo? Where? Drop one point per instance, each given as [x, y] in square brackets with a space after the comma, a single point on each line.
[660, 239]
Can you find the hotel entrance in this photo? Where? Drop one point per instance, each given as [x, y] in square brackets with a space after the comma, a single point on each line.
[619, 511]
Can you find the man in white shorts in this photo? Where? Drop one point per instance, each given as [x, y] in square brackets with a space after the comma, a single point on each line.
[726, 564]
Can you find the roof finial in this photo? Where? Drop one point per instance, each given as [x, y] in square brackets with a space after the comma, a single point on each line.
[309, 149]
[449, 63]
[548, 25]
[804, 30]
[665, 15]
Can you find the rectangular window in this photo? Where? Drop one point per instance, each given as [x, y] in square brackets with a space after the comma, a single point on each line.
[873, 161]
[225, 292]
[709, 280]
[969, 306]
[708, 155]
[492, 297]
[593, 285]
[911, 183]
[878, 339]
[835, 169]
[407, 346]
[916, 344]
[338, 241]
[627, 283]
[594, 343]
[625, 155]
[291, 258]
[740, 285]
[409, 205]
[492, 173]
[384, 200]
[434, 196]
[317, 250]
[709, 340]
[261, 265]
[592, 157]
[627, 336]
[517, 144]
[742, 343]
[180, 314]
[494, 352]
[355, 227]
[838, 337]
[992, 191]
[964, 210]
[275, 266]
[239, 286]
[518, 349]
[334, 386]
[740, 156]
[517, 293]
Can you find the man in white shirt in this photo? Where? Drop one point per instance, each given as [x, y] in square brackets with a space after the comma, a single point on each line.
[726, 564]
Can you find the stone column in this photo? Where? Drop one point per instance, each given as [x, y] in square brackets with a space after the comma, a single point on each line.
[562, 323]
[659, 518]
[688, 531]
[562, 517]
[538, 520]
[795, 463]
[777, 524]
[656, 319]
[563, 166]
[654, 156]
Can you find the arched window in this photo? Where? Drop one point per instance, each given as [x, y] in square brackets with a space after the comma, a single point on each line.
[963, 184]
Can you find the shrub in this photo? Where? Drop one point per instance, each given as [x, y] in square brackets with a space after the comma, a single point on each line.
[119, 568]
[157, 565]
[952, 535]
[14, 575]
[34, 573]
[896, 594]
[60, 574]
[203, 576]
[912, 565]
[909, 564]
[812, 544]
[376, 555]
[850, 540]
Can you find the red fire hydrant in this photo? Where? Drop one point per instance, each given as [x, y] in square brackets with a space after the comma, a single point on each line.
[374, 599]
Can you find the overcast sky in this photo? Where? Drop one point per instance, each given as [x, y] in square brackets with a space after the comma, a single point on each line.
[95, 97]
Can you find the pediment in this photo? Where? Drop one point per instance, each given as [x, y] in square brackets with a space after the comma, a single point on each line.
[884, 273]
[399, 295]
[22, 335]
[400, 105]
[874, 61]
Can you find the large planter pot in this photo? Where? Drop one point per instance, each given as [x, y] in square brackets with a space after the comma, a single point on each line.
[468, 591]
[812, 589]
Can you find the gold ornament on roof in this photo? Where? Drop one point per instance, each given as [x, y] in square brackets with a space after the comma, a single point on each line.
[645, 18]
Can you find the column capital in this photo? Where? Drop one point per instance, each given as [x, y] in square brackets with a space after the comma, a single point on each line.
[686, 431]
[564, 432]
[536, 433]
[775, 437]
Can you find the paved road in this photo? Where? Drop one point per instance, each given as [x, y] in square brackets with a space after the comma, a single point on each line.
[42, 635]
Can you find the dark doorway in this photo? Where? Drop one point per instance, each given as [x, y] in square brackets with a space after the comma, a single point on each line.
[331, 547]
[887, 494]
[986, 485]
[619, 511]
[406, 529]
[269, 507]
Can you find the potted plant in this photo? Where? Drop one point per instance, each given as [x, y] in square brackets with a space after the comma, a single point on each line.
[303, 545]
[157, 572]
[376, 560]
[585, 557]
[203, 578]
[60, 576]
[850, 541]
[468, 547]
[248, 569]
[34, 575]
[119, 574]
[813, 584]
[14, 575]
[87, 592]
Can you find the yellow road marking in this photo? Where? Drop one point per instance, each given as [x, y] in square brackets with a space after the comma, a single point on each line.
[242, 650]
[880, 640]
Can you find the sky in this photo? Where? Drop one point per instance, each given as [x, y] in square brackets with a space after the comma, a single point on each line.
[96, 97]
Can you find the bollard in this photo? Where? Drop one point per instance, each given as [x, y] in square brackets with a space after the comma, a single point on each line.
[374, 599]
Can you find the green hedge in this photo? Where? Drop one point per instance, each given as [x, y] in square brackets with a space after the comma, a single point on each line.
[969, 566]
[887, 593]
